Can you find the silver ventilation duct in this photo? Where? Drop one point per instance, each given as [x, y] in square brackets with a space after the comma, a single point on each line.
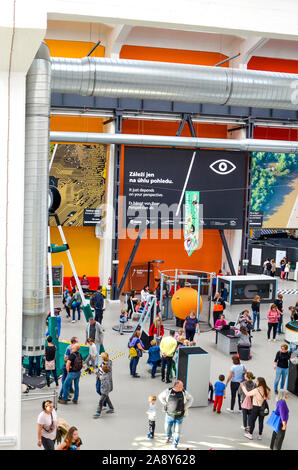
[124, 78]
[251, 145]
[38, 92]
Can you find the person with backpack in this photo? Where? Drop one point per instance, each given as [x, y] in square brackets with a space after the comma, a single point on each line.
[74, 365]
[260, 408]
[246, 403]
[67, 353]
[76, 304]
[267, 267]
[176, 401]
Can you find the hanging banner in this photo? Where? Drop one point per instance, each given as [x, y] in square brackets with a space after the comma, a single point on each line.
[191, 221]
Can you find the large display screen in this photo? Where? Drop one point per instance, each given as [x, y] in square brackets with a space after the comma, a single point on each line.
[155, 179]
[275, 188]
[79, 172]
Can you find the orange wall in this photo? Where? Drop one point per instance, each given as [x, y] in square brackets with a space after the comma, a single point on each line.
[172, 55]
[273, 65]
[84, 249]
[73, 49]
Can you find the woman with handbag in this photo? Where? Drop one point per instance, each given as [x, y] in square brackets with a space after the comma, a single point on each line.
[136, 344]
[282, 411]
[246, 403]
[50, 361]
[260, 408]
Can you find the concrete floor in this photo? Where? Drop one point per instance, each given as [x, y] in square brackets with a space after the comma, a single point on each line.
[127, 428]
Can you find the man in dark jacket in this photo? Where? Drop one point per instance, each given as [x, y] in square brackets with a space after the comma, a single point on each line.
[98, 301]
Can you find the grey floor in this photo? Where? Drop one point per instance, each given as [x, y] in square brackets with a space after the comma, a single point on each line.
[127, 428]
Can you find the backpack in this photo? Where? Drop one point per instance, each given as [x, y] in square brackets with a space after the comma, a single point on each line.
[92, 302]
[77, 363]
[268, 266]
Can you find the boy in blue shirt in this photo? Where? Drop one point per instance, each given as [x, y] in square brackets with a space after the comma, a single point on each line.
[154, 357]
[220, 393]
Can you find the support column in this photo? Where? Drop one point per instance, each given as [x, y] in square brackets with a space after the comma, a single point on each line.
[105, 251]
[17, 28]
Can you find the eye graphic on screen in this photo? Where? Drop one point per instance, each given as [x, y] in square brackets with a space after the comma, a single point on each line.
[223, 167]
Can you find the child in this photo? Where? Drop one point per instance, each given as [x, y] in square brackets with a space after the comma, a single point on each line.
[179, 333]
[154, 357]
[192, 343]
[220, 393]
[151, 416]
[105, 361]
[105, 388]
[91, 356]
[123, 319]
[138, 306]
[68, 304]
[72, 440]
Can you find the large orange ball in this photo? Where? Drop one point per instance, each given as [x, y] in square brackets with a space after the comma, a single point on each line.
[184, 301]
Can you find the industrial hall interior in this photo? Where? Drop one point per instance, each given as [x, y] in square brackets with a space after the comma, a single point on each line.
[149, 214]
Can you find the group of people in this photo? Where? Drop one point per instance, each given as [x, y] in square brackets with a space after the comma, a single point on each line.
[269, 268]
[253, 396]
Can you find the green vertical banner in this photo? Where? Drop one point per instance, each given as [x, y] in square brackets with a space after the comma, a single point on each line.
[191, 221]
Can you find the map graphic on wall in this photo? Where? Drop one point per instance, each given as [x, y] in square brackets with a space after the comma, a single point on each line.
[79, 172]
[274, 188]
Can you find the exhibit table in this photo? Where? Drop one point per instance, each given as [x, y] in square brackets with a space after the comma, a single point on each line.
[227, 341]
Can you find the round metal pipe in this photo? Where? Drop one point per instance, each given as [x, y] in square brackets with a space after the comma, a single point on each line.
[123, 78]
[38, 93]
[251, 145]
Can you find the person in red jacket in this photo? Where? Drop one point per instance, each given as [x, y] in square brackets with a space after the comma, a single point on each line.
[157, 329]
[273, 317]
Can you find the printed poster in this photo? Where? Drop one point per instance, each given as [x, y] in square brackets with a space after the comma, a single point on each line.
[191, 221]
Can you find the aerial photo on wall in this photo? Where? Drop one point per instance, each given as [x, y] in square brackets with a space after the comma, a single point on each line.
[79, 172]
[275, 188]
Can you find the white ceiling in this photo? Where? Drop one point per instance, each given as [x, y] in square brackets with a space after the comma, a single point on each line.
[113, 37]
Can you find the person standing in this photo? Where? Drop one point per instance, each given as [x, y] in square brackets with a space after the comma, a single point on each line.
[76, 304]
[67, 353]
[282, 411]
[93, 354]
[190, 325]
[282, 268]
[267, 267]
[136, 344]
[287, 270]
[50, 361]
[85, 283]
[220, 393]
[176, 401]
[273, 318]
[74, 365]
[245, 404]
[279, 303]
[105, 389]
[281, 367]
[218, 307]
[94, 330]
[259, 395]
[273, 268]
[99, 303]
[151, 413]
[47, 426]
[145, 294]
[255, 306]
[168, 347]
[236, 377]
[154, 357]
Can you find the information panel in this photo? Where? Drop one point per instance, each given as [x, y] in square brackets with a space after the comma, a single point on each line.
[155, 180]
